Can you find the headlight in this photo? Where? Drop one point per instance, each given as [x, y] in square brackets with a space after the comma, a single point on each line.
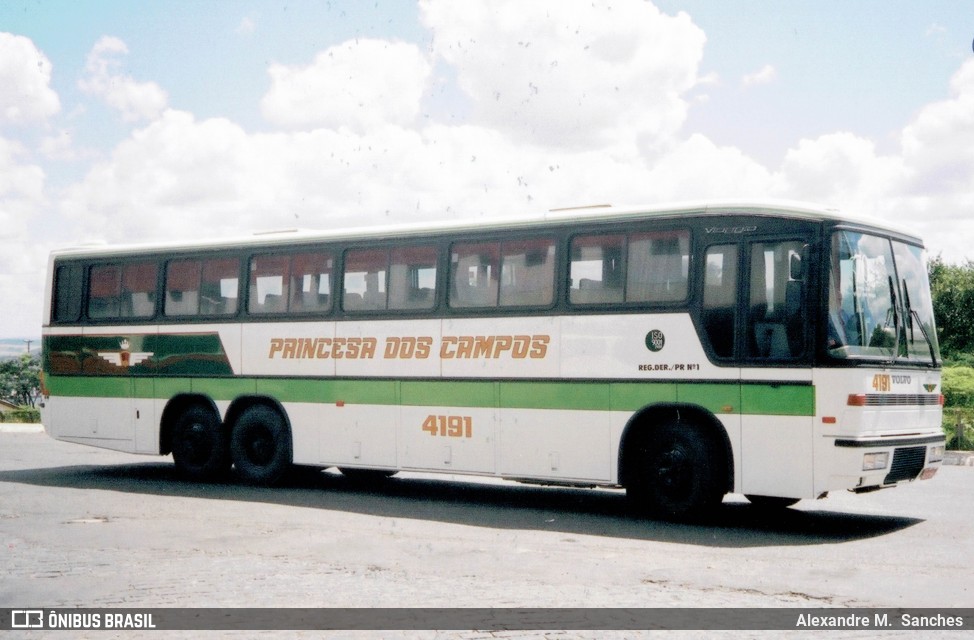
[875, 461]
[935, 454]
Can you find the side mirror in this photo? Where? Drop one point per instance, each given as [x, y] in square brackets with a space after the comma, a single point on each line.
[797, 267]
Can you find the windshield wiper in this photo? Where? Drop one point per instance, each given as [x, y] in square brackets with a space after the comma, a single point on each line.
[914, 317]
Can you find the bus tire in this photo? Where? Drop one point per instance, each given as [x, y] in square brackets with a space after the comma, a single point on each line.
[680, 475]
[199, 448]
[260, 445]
[771, 503]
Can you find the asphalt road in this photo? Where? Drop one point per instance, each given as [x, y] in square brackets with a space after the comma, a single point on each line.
[93, 528]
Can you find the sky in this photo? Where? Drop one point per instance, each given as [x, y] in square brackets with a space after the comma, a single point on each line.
[124, 121]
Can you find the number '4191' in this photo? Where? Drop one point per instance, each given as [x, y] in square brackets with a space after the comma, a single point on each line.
[449, 426]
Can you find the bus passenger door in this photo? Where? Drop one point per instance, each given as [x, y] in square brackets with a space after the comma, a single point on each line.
[777, 396]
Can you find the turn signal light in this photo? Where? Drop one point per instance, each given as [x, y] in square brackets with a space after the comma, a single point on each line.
[856, 400]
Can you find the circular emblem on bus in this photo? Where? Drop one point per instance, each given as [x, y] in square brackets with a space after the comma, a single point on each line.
[655, 340]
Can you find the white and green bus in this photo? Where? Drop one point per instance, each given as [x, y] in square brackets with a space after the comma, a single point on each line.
[682, 353]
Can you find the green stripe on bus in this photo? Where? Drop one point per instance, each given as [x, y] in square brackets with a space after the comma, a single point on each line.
[90, 386]
[384, 392]
[778, 399]
[589, 396]
[449, 393]
[632, 396]
[719, 398]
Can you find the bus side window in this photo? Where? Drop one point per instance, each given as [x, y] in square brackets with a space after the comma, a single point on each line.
[311, 283]
[67, 292]
[474, 275]
[412, 278]
[527, 273]
[658, 266]
[127, 291]
[104, 292]
[269, 279]
[596, 269]
[207, 287]
[182, 288]
[219, 289]
[720, 298]
[138, 298]
[365, 280]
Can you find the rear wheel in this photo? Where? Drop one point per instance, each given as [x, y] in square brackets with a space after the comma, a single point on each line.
[199, 448]
[680, 473]
[260, 445]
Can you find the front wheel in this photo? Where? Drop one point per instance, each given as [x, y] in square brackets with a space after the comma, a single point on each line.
[260, 445]
[680, 474]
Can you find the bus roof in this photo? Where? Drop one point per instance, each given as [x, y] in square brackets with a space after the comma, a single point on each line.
[554, 217]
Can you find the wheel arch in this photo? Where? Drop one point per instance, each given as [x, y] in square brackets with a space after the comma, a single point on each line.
[639, 429]
[176, 406]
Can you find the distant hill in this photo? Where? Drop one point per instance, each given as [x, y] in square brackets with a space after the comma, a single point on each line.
[15, 347]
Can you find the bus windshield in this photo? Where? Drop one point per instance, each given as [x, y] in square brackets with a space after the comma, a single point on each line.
[879, 300]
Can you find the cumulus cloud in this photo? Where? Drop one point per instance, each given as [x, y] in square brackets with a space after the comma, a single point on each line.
[25, 75]
[104, 79]
[557, 104]
[843, 169]
[359, 84]
[925, 181]
[765, 75]
[174, 178]
[21, 191]
[938, 155]
[353, 149]
[570, 73]
[21, 270]
[179, 177]
[939, 143]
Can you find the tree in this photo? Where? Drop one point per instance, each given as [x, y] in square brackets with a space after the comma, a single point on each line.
[20, 380]
[952, 288]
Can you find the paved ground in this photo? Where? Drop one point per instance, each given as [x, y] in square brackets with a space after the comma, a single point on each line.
[93, 528]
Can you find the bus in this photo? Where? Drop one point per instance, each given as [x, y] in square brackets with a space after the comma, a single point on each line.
[681, 353]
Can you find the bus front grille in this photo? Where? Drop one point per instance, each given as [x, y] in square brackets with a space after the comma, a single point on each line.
[907, 464]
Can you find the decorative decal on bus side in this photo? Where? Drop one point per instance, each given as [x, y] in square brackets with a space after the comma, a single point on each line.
[125, 358]
[137, 354]
[518, 347]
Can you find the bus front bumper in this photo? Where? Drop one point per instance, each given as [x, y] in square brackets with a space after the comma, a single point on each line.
[868, 464]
